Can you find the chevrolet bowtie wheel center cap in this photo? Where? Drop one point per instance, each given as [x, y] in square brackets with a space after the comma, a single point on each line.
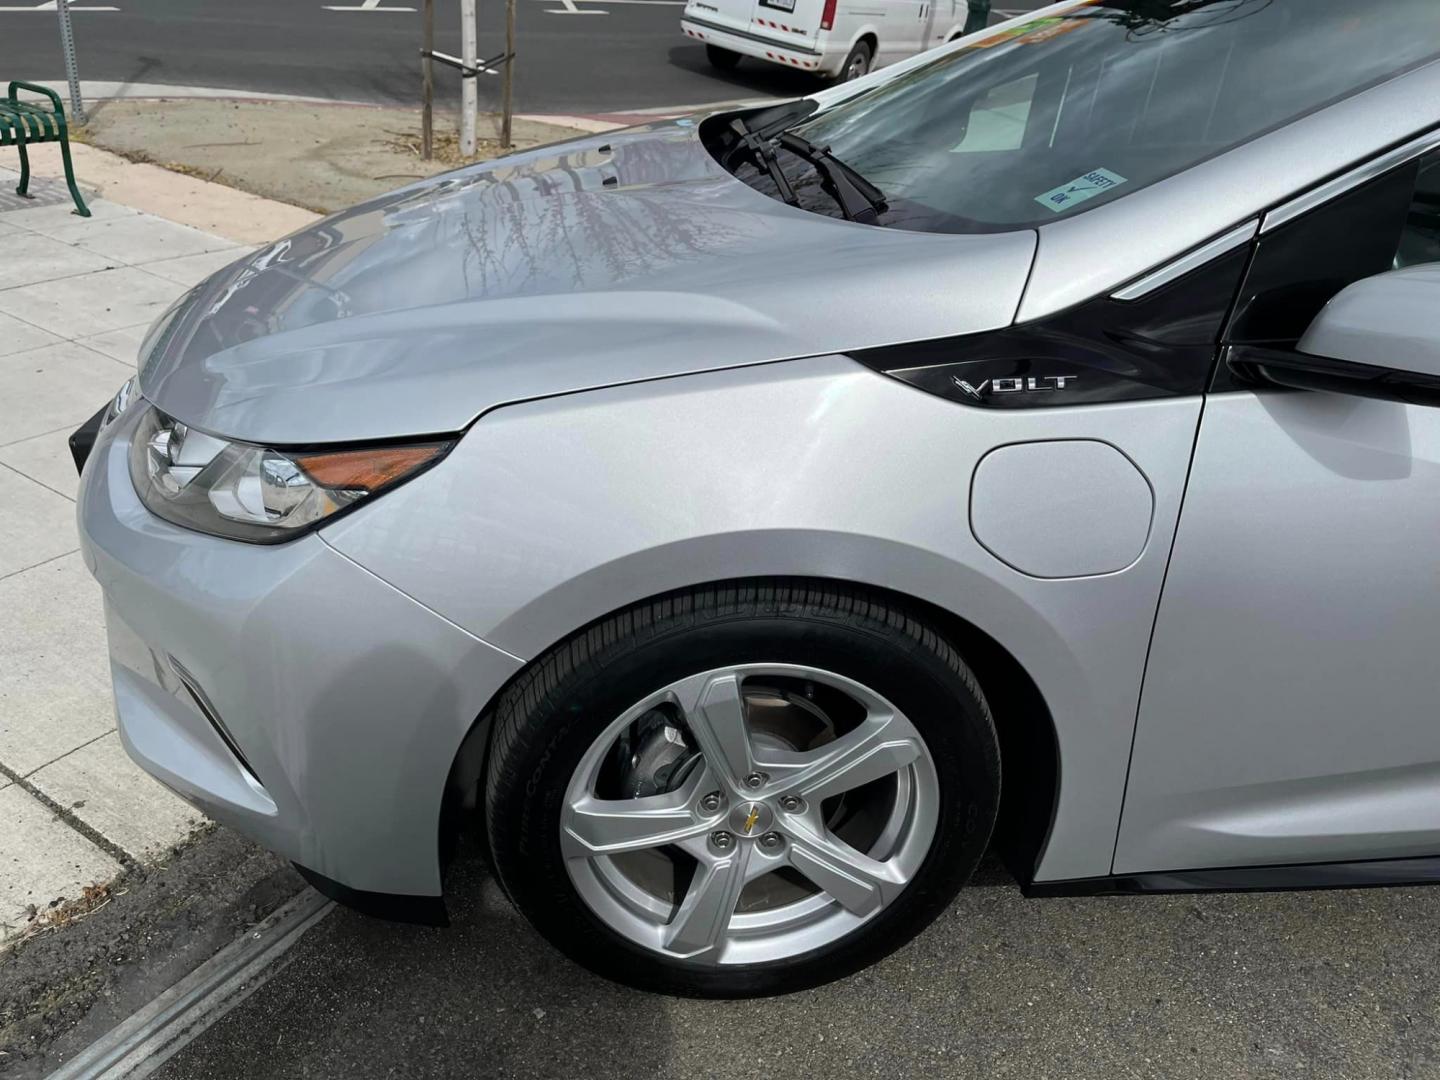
[751, 820]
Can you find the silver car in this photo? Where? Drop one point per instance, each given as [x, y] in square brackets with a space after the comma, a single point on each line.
[754, 518]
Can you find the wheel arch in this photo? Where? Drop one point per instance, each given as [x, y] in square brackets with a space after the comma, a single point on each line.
[1029, 743]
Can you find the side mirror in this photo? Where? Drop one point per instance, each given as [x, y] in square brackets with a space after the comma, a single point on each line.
[1379, 338]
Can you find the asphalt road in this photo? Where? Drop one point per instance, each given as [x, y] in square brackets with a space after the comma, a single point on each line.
[1317, 985]
[632, 56]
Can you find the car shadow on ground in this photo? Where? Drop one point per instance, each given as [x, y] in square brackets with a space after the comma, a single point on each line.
[1317, 984]
[753, 78]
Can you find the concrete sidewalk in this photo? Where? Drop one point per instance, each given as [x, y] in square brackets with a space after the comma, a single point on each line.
[76, 297]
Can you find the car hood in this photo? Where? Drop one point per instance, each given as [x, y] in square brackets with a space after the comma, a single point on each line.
[607, 260]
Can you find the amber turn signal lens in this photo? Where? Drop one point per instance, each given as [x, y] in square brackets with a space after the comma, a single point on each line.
[367, 470]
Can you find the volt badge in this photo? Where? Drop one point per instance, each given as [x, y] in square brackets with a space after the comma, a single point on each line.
[1045, 384]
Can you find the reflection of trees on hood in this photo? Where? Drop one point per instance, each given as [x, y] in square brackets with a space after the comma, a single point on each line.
[544, 223]
[551, 224]
[562, 229]
[579, 240]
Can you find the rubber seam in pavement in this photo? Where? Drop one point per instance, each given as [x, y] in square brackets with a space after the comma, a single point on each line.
[150, 1036]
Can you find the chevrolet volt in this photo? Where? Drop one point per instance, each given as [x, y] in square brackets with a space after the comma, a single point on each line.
[754, 517]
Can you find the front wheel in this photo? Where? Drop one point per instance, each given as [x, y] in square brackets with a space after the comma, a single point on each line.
[741, 790]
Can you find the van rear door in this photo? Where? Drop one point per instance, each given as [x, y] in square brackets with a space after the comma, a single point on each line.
[726, 14]
[794, 22]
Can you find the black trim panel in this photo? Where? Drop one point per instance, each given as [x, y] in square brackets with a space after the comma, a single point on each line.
[1161, 345]
[1253, 366]
[1379, 873]
[82, 440]
[396, 907]
[1299, 267]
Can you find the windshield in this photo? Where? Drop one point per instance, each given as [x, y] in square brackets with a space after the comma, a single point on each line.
[1065, 113]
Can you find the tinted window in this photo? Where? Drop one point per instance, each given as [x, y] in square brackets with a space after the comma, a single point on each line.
[1420, 239]
[1066, 113]
[1389, 223]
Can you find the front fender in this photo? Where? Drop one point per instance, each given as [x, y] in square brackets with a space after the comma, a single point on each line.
[551, 514]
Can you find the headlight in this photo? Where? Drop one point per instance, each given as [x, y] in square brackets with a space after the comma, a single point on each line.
[252, 493]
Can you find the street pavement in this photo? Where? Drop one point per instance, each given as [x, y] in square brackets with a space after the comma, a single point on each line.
[1316, 985]
[574, 56]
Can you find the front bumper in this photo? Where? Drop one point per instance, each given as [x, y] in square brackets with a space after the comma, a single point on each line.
[338, 703]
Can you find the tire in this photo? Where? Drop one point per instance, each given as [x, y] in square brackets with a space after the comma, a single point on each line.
[857, 64]
[549, 722]
[722, 59]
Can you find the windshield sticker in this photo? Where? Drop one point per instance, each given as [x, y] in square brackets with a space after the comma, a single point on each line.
[1032, 32]
[1078, 190]
[1045, 33]
[1014, 32]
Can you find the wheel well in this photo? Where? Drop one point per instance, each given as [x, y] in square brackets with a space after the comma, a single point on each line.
[1029, 749]
[871, 40]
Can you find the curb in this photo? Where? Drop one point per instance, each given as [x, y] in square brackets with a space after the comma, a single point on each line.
[101, 91]
[223, 211]
[229, 212]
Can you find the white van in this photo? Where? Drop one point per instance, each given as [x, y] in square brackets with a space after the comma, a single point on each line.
[839, 39]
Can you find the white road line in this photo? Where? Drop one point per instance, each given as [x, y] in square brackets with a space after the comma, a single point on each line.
[571, 9]
[150, 1037]
[49, 5]
[364, 5]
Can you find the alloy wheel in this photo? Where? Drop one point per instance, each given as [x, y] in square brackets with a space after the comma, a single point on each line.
[749, 814]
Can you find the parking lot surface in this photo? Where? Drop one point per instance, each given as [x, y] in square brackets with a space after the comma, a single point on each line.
[1315, 984]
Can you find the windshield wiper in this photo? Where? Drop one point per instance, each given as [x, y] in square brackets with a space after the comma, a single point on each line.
[859, 199]
[762, 152]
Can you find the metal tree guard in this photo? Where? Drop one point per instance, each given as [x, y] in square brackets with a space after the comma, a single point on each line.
[469, 68]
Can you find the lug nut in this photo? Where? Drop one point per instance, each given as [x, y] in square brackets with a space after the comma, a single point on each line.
[772, 841]
[721, 839]
[710, 803]
[792, 804]
[756, 780]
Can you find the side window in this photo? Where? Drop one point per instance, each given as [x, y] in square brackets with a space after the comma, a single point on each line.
[1420, 239]
[1390, 222]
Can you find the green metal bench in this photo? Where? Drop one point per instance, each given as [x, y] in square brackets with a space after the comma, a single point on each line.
[22, 124]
